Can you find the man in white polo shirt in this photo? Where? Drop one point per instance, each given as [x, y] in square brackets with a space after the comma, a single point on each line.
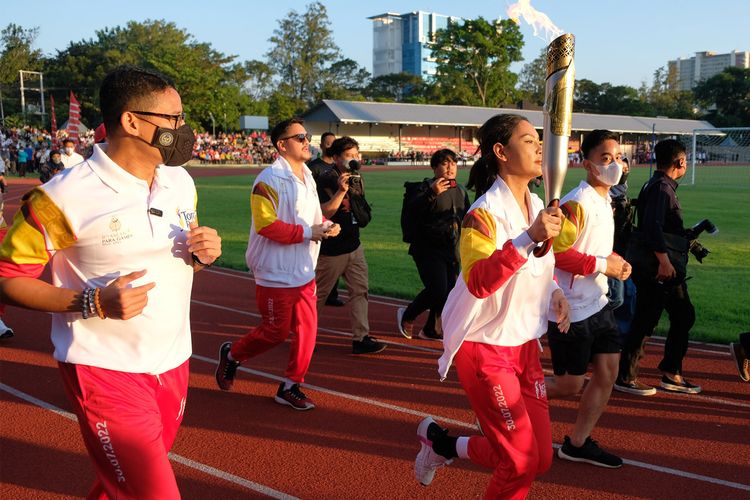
[69, 156]
[121, 237]
[583, 261]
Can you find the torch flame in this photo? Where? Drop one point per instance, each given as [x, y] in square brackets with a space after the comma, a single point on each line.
[539, 21]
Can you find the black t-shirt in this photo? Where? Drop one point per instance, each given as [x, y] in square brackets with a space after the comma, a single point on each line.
[440, 220]
[318, 166]
[348, 239]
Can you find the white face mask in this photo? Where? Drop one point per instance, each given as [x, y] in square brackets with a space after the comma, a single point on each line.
[68, 151]
[609, 174]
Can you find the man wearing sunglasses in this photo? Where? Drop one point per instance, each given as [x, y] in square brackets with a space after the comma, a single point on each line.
[286, 229]
[120, 234]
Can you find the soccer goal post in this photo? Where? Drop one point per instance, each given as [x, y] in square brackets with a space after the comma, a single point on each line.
[718, 155]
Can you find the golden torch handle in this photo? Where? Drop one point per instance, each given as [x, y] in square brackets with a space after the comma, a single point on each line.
[543, 247]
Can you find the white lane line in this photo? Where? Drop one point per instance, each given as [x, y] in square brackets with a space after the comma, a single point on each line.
[250, 485]
[437, 351]
[688, 475]
[206, 469]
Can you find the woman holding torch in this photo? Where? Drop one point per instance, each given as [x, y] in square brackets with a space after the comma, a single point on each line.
[495, 315]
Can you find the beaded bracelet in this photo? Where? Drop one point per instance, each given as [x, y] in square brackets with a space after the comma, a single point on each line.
[88, 307]
[98, 305]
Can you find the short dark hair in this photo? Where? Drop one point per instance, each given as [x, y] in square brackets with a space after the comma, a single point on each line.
[667, 151]
[280, 129]
[67, 140]
[55, 152]
[326, 134]
[129, 86]
[342, 144]
[594, 138]
[442, 155]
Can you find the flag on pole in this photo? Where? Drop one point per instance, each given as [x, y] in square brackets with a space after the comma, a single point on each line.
[54, 121]
[74, 118]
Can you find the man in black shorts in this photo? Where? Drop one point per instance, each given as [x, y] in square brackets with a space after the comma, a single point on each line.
[583, 261]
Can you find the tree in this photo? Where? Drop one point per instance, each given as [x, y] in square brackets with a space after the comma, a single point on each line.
[473, 62]
[16, 53]
[206, 79]
[533, 79]
[729, 93]
[664, 99]
[259, 82]
[344, 79]
[398, 87]
[302, 47]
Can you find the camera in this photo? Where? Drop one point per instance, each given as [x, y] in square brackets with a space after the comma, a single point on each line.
[355, 179]
[451, 183]
[699, 251]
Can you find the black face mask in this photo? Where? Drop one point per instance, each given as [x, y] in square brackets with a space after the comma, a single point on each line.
[623, 179]
[175, 145]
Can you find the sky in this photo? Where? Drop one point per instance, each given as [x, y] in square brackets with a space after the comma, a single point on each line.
[617, 41]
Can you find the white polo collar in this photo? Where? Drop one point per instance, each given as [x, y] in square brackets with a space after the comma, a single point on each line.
[116, 177]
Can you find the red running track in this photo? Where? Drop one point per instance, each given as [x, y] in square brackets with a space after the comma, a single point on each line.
[360, 442]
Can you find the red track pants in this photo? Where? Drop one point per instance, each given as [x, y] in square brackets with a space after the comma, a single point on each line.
[283, 310]
[505, 387]
[128, 422]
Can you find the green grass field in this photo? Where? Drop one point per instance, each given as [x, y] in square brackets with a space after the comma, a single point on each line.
[718, 288]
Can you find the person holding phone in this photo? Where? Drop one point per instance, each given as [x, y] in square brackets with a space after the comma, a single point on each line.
[436, 209]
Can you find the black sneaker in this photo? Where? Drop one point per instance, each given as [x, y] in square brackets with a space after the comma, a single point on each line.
[293, 397]
[337, 302]
[681, 385]
[226, 369]
[589, 453]
[738, 354]
[368, 345]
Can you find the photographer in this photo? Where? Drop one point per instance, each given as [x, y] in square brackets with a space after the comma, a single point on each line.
[658, 253]
[342, 199]
[435, 211]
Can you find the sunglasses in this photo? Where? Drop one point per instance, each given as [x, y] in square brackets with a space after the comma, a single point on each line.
[298, 137]
[177, 118]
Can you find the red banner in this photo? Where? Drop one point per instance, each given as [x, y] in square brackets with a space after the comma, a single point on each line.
[74, 117]
[54, 121]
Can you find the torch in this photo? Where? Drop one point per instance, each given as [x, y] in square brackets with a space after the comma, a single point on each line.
[558, 112]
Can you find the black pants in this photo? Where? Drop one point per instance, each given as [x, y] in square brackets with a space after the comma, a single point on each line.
[438, 275]
[651, 300]
[745, 342]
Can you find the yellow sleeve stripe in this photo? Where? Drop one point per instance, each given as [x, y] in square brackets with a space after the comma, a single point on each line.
[263, 203]
[25, 242]
[478, 234]
[572, 226]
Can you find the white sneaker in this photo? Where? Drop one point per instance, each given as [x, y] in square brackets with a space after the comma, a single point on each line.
[427, 460]
[5, 331]
[406, 330]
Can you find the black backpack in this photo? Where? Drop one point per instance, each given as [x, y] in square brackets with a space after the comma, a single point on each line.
[409, 219]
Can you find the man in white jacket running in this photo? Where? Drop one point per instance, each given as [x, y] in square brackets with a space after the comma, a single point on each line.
[285, 232]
